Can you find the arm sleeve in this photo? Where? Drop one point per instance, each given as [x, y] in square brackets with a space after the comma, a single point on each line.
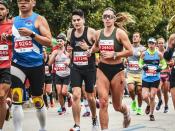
[141, 62]
[163, 63]
[168, 54]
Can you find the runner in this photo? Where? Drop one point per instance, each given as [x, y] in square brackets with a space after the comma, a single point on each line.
[164, 80]
[110, 72]
[48, 80]
[134, 79]
[30, 31]
[149, 62]
[61, 60]
[82, 38]
[5, 60]
[169, 55]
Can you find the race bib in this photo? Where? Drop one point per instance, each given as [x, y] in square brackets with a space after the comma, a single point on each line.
[4, 54]
[60, 67]
[151, 71]
[106, 45]
[80, 58]
[133, 65]
[24, 44]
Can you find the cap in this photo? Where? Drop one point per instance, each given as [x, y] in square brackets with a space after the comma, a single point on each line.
[62, 36]
[4, 2]
[151, 40]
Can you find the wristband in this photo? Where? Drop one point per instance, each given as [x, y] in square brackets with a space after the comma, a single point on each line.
[114, 55]
[33, 35]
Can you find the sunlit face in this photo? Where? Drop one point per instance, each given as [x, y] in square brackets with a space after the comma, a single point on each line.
[160, 43]
[3, 12]
[136, 38]
[108, 18]
[26, 5]
[77, 21]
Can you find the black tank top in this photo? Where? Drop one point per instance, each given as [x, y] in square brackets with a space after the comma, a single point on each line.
[79, 59]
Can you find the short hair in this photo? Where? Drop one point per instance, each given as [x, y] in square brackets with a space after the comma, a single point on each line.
[111, 9]
[78, 12]
[4, 3]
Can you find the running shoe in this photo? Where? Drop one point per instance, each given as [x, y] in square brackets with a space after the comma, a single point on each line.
[86, 114]
[127, 120]
[134, 105]
[139, 111]
[59, 109]
[95, 124]
[75, 128]
[147, 110]
[152, 118]
[69, 100]
[63, 111]
[159, 105]
[165, 109]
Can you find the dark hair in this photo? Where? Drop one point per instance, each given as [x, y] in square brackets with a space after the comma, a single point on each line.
[78, 12]
[4, 3]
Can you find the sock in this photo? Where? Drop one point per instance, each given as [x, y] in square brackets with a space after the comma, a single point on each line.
[18, 115]
[0, 129]
[41, 114]
[86, 105]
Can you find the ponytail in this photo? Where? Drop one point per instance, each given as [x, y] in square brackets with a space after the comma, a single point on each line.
[122, 19]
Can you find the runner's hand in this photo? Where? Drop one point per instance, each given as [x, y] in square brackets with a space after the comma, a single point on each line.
[83, 45]
[24, 31]
[107, 54]
[145, 67]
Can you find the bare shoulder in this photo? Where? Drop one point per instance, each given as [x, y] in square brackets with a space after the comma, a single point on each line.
[98, 33]
[120, 33]
[91, 30]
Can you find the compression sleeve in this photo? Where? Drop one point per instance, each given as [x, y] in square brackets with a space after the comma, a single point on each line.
[141, 62]
[163, 64]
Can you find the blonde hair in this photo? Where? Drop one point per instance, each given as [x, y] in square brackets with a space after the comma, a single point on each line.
[122, 19]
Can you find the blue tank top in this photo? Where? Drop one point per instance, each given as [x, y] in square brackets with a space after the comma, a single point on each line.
[152, 61]
[26, 51]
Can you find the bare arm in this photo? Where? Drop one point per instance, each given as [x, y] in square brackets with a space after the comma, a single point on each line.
[45, 37]
[123, 38]
[52, 57]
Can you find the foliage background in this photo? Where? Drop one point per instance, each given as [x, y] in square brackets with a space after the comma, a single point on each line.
[151, 16]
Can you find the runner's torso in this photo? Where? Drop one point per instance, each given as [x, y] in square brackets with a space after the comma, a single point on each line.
[27, 52]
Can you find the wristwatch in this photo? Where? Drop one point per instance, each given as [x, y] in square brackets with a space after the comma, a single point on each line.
[115, 55]
[33, 35]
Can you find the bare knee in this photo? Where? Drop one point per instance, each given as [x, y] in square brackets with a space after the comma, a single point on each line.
[76, 96]
[145, 96]
[103, 103]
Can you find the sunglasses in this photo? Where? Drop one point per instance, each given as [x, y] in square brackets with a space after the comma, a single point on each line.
[60, 40]
[108, 16]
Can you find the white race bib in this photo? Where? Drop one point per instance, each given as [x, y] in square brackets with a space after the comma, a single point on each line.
[151, 71]
[80, 58]
[106, 45]
[4, 54]
[24, 44]
[133, 65]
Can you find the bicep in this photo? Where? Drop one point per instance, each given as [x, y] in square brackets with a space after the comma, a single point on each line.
[123, 38]
[44, 27]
